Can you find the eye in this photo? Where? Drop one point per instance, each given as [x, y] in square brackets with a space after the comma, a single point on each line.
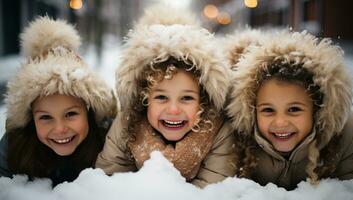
[160, 97]
[71, 114]
[267, 110]
[187, 98]
[294, 109]
[45, 117]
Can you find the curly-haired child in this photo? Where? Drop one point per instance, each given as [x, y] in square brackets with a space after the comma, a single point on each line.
[291, 98]
[173, 85]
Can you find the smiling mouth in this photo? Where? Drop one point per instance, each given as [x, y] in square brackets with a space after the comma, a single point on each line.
[283, 135]
[63, 141]
[173, 124]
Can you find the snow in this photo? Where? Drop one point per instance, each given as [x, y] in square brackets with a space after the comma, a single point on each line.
[158, 179]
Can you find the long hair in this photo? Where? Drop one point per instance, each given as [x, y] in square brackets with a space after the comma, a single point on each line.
[153, 76]
[320, 164]
[27, 155]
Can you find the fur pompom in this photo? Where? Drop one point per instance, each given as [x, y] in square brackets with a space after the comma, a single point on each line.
[167, 15]
[45, 33]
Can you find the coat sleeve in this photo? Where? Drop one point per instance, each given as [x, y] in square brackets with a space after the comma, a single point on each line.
[344, 170]
[219, 162]
[4, 170]
[113, 157]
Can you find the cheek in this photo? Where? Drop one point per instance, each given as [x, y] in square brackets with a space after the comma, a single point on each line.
[82, 127]
[152, 114]
[42, 131]
[192, 112]
[262, 124]
[306, 124]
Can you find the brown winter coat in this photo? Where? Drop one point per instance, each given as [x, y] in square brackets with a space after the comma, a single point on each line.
[325, 61]
[152, 42]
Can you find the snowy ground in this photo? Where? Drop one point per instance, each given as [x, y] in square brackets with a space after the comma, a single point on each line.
[157, 179]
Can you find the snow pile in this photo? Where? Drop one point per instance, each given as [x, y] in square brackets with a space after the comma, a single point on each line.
[158, 179]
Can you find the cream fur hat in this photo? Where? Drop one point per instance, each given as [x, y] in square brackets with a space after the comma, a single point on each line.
[177, 35]
[240, 41]
[54, 67]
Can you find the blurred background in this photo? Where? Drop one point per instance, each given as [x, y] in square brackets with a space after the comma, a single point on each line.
[104, 23]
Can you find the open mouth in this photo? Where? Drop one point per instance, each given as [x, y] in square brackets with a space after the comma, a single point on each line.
[283, 135]
[63, 141]
[173, 124]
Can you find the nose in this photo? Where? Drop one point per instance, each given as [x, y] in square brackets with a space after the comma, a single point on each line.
[60, 127]
[281, 121]
[173, 108]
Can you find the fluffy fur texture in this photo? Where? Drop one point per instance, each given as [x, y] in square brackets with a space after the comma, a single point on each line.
[151, 44]
[42, 34]
[320, 57]
[238, 43]
[166, 15]
[52, 69]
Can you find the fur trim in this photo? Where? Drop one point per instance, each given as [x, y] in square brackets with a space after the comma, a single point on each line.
[167, 15]
[153, 44]
[320, 57]
[59, 71]
[44, 33]
[238, 43]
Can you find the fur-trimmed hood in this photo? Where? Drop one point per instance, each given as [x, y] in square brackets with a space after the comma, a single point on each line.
[149, 44]
[238, 43]
[54, 67]
[320, 57]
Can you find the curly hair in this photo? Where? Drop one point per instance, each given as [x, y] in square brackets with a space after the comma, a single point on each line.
[152, 76]
[320, 162]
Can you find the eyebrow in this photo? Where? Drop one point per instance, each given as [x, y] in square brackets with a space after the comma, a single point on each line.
[66, 109]
[292, 103]
[188, 91]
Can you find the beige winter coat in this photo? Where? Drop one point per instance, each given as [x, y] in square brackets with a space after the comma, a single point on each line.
[217, 165]
[325, 61]
[155, 41]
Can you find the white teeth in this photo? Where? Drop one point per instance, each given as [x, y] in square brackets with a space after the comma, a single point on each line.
[62, 141]
[174, 122]
[283, 134]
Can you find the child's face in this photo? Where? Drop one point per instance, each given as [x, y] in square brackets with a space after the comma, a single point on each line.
[284, 114]
[61, 122]
[173, 105]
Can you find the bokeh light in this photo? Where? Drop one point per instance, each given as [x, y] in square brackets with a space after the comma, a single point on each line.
[210, 11]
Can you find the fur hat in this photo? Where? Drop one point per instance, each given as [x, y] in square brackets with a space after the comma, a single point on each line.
[157, 41]
[319, 57]
[239, 43]
[54, 67]
[166, 15]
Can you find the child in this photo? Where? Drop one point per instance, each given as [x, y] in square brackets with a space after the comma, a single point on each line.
[173, 85]
[56, 107]
[290, 100]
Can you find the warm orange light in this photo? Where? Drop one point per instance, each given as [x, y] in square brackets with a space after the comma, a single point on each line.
[224, 18]
[250, 3]
[76, 4]
[210, 11]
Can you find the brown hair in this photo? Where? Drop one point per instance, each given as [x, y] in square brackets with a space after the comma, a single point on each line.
[321, 163]
[27, 155]
[150, 78]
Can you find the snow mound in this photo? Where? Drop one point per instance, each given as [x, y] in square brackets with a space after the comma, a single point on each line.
[158, 179]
